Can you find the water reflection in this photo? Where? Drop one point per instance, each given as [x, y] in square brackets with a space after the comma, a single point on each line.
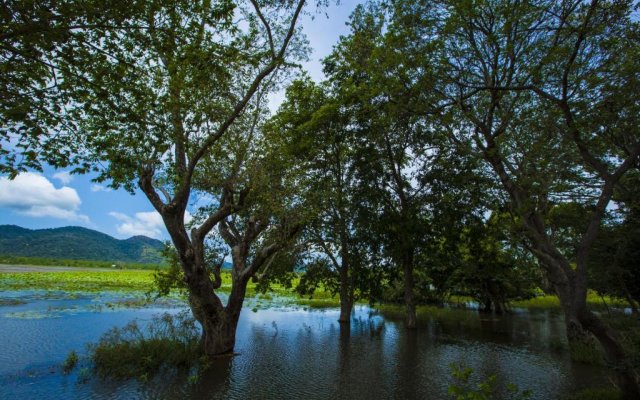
[297, 354]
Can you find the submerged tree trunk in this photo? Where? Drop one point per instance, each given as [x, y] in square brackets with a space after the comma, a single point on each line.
[571, 285]
[583, 325]
[346, 294]
[411, 319]
[218, 322]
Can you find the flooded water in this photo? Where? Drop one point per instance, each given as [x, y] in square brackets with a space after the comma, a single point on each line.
[289, 353]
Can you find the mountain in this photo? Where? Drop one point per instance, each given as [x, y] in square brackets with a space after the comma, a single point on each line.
[74, 242]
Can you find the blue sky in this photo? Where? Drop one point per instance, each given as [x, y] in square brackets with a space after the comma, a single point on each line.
[55, 198]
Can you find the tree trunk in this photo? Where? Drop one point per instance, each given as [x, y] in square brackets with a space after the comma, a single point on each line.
[218, 322]
[410, 321]
[346, 295]
[218, 334]
[626, 375]
[582, 323]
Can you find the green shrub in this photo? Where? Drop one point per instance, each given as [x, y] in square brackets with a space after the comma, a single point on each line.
[134, 352]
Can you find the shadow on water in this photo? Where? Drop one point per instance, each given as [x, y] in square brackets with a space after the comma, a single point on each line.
[295, 354]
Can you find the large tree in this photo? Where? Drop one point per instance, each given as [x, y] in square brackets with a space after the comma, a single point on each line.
[315, 127]
[170, 100]
[416, 180]
[545, 91]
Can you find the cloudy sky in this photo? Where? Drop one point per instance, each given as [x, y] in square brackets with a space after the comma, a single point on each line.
[56, 198]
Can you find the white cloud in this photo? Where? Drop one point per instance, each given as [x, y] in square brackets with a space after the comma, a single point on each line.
[34, 195]
[143, 223]
[187, 217]
[100, 188]
[147, 223]
[64, 177]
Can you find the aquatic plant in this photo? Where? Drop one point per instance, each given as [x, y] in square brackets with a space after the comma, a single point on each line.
[70, 362]
[462, 389]
[136, 351]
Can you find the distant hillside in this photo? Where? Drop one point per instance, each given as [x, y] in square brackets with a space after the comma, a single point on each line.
[76, 243]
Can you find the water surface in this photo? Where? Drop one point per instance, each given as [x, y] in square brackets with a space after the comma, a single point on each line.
[290, 353]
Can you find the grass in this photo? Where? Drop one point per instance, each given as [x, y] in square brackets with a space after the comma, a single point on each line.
[70, 362]
[424, 313]
[318, 302]
[141, 282]
[61, 262]
[169, 341]
[79, 281]
[547, 302]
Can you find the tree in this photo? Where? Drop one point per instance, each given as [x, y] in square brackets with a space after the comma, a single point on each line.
[493, 268]
[409, 165]
[36, 36]
[171, 102]
[316, 129]
[543, 91]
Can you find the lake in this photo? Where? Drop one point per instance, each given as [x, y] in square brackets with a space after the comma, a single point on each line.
[286, 352]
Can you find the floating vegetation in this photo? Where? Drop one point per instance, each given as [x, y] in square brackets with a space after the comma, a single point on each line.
[12, 302]
[33, 314]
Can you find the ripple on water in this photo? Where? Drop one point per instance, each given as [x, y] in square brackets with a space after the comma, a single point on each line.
[291, 353]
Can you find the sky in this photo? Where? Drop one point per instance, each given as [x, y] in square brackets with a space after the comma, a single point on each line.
[55, 198]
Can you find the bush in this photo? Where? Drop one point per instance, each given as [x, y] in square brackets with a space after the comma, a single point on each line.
[133, 352]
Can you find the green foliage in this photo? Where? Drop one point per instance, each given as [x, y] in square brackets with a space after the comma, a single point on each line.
[171, 341]
[166, 280]
[76, 243]
[462, 389]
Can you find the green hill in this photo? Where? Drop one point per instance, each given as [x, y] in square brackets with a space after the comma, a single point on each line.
[76, 243]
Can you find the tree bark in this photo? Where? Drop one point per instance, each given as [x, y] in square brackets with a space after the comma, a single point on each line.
[407, 267]
[218, 322]
[346, 294]
[581, 324]
[626, 375]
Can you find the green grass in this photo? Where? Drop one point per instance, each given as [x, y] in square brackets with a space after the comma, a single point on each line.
[79, 281]
[58, 262]
[140, 281]
[134, 352]
[547, 302]
[448, 316]
[318, 302]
